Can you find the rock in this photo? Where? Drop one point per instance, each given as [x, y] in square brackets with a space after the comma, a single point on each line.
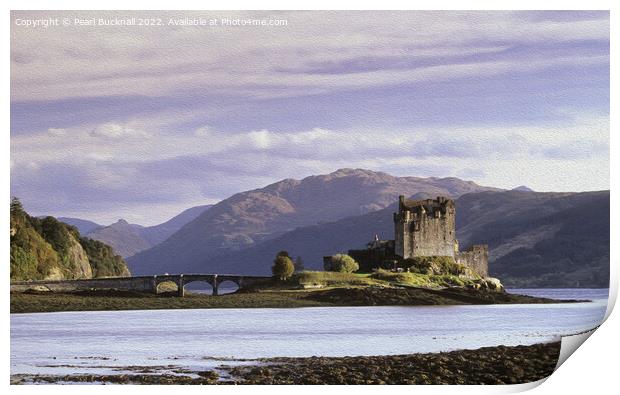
[494, 284]
[79, 259]
[490, 365]
[55, 273]
[38, 288]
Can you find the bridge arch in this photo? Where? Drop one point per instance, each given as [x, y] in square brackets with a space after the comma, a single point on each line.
[166, 286]
[199, 286]
[227, 286]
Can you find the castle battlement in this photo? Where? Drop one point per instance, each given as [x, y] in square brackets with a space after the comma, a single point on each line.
[415, 209]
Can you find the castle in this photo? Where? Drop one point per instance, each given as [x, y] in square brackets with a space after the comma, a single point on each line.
[422, 228]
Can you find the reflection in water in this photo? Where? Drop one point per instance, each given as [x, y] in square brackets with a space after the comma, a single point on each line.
[199, 287]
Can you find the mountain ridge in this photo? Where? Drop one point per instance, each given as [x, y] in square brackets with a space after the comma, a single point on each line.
[83, 225]
[531, 237]
[250, 217]
[128, 239]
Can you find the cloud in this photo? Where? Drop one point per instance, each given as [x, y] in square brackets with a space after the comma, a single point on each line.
[79, 169]
[56, 131]
[111, 122]
[116, 131]
[316, 52]
[333, 69]
[127, 144]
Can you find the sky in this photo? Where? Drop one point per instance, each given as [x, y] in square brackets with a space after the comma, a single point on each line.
[142, 122]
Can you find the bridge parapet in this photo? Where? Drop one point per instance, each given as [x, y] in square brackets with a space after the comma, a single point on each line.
[142, 283]
[136, 283]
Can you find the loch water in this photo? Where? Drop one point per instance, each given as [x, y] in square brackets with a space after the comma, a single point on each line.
[103, 342]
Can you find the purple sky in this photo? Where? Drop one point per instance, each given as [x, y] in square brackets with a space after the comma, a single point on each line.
[141, 123]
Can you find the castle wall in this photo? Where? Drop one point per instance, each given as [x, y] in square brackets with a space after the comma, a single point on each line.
[373, 258]
[400, 244]
[401, 222]
[476, 258]
[432, 236]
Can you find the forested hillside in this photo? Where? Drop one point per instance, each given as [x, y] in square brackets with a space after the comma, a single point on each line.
[45, 248]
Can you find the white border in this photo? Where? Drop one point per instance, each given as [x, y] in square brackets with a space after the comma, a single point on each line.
[591, 370]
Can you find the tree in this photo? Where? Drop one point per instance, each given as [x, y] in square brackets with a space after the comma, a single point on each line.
[283, 267]
[299, 265]
[16, 205]
[342, 263]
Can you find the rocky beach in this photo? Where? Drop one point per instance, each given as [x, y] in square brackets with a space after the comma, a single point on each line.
[488, 365]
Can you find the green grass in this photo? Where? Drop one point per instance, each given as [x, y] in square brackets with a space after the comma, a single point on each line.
[424, 280]
[332, 279]
[382, 278]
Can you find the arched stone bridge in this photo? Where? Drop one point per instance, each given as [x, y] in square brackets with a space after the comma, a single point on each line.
[139, 283]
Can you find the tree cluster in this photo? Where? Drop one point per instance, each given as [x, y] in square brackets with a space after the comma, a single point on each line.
[283, 266]
[342, 263]
[41, 247]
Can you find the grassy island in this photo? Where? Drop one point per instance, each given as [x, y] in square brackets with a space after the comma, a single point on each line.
[306, 289]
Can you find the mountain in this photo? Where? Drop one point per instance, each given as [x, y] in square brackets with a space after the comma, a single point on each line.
[158, 233]
[252, 217]
[124, 237]
[523, 188]
[535, 239]
[129, 239]
[310, 242]
[84, 226]
[45, 248]
[541, 239]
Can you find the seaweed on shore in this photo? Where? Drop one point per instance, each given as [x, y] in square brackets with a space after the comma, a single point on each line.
[411, 296]
[488, 365]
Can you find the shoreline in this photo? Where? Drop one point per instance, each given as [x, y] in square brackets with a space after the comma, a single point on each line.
[39, 302]
[487, 365]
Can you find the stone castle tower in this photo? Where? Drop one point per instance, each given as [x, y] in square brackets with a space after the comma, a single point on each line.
[428, 228]
[425, 228]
